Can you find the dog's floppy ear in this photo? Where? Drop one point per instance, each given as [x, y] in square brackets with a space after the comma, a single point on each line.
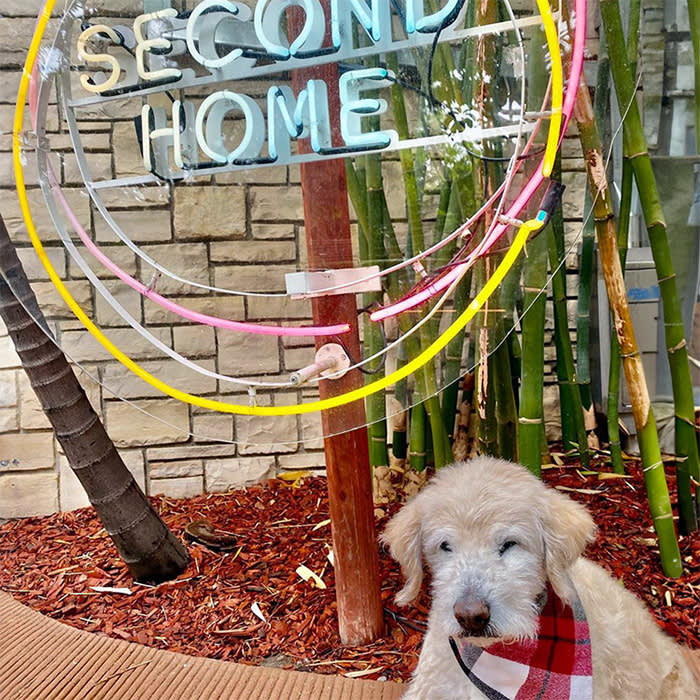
[568, 528]
[403, 537]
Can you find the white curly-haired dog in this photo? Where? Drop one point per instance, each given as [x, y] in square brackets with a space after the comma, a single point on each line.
[494, 536]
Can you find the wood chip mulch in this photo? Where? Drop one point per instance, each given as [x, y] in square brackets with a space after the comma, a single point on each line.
[251, 605]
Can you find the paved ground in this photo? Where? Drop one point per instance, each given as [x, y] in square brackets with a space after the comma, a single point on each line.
[42, 659]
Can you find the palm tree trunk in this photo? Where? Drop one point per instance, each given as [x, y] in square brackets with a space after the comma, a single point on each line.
[145, 544]
[687, 462]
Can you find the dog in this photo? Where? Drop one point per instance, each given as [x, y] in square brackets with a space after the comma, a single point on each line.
[496, 540]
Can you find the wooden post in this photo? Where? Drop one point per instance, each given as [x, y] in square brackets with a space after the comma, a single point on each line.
[329, 246]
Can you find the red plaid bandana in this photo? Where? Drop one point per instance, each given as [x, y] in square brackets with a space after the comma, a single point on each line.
[556, 665]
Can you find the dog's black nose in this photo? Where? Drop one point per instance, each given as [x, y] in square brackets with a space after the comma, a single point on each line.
[472, 613]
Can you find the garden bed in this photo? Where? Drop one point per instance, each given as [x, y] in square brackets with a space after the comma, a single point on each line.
[251, 605]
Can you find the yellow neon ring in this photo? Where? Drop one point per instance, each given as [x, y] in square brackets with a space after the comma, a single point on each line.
[441, 342]
[552, 35]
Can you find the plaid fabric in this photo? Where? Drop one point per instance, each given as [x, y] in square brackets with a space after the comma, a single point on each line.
[554, 666]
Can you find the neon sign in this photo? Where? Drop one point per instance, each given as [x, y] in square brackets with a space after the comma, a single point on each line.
[223, 41]
[53, 63]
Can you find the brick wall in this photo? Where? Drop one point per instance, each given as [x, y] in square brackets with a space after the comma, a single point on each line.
[243, 231]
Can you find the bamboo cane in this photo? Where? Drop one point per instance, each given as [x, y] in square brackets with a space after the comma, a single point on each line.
[573, 427]
[372, 254]
[531, 421]
[652, 465]
[506, 411]
[687, 462]
[510, 301]
[626, 187]
[485, 400]
[602, 116]
[503, 387]
[694, 19]
[615, 358]
[453, 352]
[427, 378]
[453, 361]
[416, 442]
[566, 370]
[534, 279]
[583, 322]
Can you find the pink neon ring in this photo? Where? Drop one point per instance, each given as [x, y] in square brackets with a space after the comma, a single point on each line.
[144, 290]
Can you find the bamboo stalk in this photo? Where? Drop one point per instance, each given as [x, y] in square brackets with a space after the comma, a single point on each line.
[416, 442]
[531, 421]
[485, 400]
[652, 465]
[687, 462]
[694, 18]
[358, 189]
[507, 390]
[365, 188]
[626, 188]
[426, 375]
[510, 301]
[566, 369]
[516, 362]
[497, 411]
[587, 258]
[583, 324]
[615, 358]
[570, 407]
[506, 411]
[452, 369]
[601, 110]
[453, 352]
[534, 279]
[453, 361]
[399, 438]
[371, 254]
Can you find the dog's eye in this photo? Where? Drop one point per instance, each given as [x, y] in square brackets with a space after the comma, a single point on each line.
[445, 546]
[506, 546]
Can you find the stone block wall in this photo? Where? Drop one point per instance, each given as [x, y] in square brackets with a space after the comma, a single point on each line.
[244, 231]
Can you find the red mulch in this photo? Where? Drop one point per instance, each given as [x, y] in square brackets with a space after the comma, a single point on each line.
[53, 563]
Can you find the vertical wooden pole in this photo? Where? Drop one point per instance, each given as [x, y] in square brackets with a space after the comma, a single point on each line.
[329, 246]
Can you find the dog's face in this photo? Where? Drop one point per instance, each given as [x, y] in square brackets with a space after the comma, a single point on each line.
[493, 536]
